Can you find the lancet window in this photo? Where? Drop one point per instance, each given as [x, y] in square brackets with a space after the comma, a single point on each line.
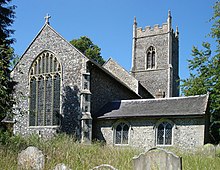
[150, 64]
[164, 133]
[121, 133]
[45, 82]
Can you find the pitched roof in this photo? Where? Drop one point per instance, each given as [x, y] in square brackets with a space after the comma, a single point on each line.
[122, 74]
[113, 76]
[176, 106]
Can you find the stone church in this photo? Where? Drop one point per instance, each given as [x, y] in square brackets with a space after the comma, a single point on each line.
[61, 90]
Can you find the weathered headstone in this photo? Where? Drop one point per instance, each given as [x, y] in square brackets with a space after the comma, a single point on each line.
[61, 167]
[104, 167]
[209, 150]
[31, 158]
[157, 159]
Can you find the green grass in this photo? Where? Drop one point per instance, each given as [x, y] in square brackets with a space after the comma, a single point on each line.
[63, 149]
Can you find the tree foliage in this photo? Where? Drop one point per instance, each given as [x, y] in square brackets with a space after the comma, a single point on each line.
[86, 46]
[7, 16]
[204, 70]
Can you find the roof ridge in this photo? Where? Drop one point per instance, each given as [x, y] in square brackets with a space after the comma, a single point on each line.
[159, 99]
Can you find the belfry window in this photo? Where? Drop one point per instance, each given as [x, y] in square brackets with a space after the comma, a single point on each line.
[164, 134]
[45, 81]
[121, 133]
[150, 59]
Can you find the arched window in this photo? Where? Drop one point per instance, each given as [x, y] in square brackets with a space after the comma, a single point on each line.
[45, 81]
[150, 58]
[164, 133]
[121, 133]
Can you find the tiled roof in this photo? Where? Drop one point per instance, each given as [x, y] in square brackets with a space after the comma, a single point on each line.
[175, 106]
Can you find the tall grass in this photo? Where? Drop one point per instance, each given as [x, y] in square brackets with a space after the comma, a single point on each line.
[63, 149]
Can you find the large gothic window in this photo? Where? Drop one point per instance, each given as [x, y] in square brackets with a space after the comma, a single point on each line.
[45, 81]
[150, 58]
[121, 133]
[164, 134]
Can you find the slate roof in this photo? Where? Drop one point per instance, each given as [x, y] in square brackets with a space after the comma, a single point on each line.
[175, 106]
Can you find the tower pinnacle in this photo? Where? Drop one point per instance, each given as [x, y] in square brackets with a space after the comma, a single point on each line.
[169, 21]
[135, 22]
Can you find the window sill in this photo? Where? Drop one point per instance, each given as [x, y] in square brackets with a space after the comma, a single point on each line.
[164, 145]
[121, 144]
[38, 127]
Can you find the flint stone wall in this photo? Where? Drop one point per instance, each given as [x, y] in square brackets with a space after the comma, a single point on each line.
[157, 78]
[188, 133]
[73, 65]
[105, 88]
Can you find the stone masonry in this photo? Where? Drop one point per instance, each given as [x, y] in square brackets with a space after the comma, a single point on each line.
[73, 65]
[187, 133]
[165, 74]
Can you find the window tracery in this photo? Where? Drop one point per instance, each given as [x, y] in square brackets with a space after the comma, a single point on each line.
[164, 133]
[45, 81]
[150, 58]
[121, 133]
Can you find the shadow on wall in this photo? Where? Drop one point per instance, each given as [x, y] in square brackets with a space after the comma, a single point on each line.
[70, 122]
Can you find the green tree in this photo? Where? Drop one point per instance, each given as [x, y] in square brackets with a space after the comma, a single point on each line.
[86, 46]
[204, 70]
[7, 16]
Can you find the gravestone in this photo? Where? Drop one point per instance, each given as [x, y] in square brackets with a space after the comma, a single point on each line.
[157, 159]
[209, 150]
[31, 158]
[61, 167]
[104, 167]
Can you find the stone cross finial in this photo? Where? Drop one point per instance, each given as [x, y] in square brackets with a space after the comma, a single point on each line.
[169, 13]
[47, 17]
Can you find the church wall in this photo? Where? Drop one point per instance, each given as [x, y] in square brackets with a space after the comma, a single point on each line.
[153, 80]
[105, 89]
[158, 76]
[188, 133]
[160, 43]
[72, 68]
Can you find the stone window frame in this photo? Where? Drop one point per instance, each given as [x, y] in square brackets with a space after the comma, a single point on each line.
[152, 61]
[52, 71]
[159, 122]
[116, 124]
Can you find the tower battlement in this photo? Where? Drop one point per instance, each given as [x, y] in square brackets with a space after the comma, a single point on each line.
[166, 27]
[148, 30]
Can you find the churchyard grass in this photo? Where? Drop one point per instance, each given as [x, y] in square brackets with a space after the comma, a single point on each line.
[64, 149]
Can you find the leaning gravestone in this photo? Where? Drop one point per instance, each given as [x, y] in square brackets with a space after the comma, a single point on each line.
[157, 159]
[31, 158]
[61, 167]
[104, 167]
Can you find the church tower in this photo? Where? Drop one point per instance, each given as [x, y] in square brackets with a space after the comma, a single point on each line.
[155, 58]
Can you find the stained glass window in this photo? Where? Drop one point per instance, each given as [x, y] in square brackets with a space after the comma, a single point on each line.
[56, 107]
[32, 101]
[121, 134]
[45, 82]
[164, 134]
[150, 63]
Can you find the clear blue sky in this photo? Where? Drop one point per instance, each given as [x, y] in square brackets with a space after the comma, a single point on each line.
[108, 23]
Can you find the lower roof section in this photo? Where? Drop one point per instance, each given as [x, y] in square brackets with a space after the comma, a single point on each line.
[175, 106]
